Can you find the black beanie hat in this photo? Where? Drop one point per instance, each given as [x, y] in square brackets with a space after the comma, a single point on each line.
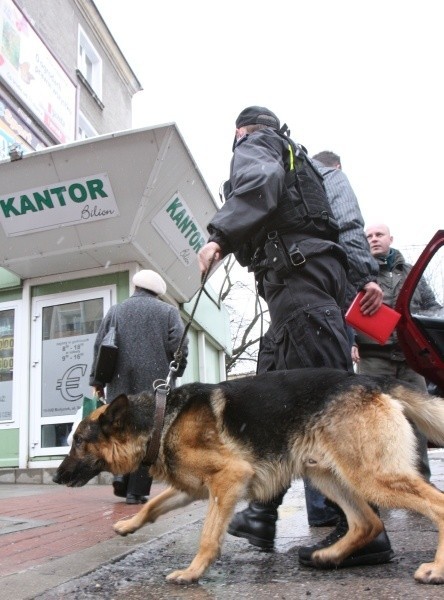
[257, 115]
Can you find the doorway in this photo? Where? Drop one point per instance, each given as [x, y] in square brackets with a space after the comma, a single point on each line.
[63, 333]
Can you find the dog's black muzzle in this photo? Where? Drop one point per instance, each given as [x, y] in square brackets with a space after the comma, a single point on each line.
[76, 473]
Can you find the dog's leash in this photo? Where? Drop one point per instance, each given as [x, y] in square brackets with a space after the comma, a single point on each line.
[160, 397]
[178, 355]
[162, 387]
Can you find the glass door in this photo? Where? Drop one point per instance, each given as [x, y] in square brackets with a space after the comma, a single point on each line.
[62, 339]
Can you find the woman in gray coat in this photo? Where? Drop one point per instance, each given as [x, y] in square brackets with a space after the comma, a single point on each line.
[148, 334]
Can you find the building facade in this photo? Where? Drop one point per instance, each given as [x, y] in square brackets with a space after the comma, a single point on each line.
[85, 202]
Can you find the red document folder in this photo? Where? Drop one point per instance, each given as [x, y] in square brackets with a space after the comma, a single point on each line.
[378, 326]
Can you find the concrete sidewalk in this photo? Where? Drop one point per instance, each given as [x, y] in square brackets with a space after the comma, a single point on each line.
[50, 534]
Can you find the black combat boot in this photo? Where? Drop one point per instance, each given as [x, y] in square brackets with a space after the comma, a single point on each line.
[257, 523]
[377, 552]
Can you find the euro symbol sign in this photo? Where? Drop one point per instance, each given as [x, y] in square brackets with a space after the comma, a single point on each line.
[71, 381]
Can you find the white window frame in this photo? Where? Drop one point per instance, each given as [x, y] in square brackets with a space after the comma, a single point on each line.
[84, 128]
[89, 62]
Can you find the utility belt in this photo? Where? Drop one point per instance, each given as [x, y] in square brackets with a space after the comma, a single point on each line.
[285, 256]
[274, 255]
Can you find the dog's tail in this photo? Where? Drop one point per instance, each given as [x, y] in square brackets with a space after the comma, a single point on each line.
[427, 412]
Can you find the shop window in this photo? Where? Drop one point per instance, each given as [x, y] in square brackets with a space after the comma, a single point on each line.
[73, 318]
[89, 63]
[6, 363]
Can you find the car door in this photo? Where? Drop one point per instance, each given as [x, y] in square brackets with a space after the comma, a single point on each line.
[421, 332]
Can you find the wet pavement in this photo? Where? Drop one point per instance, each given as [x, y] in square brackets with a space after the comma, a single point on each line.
[58, 543]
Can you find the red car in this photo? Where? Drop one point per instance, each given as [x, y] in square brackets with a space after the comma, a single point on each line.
[422, 337]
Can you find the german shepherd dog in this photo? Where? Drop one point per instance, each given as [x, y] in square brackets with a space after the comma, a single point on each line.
[249, 438]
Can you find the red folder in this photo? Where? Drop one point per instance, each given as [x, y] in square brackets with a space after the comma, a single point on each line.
[378, 326]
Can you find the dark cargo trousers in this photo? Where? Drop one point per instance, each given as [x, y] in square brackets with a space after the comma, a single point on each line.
[306, 315]
[307, 330]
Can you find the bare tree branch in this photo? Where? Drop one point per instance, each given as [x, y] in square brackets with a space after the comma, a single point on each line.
[248, 317]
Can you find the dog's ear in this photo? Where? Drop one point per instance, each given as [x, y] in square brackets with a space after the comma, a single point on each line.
[115, 416]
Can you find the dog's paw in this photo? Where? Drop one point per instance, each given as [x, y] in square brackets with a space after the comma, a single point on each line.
[430, 573]
[124, 527]
[182, 577]
[325, 559]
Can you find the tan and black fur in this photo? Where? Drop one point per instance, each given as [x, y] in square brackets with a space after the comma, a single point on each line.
[249, 438]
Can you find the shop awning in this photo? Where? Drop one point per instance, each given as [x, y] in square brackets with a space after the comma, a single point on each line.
[129, 196]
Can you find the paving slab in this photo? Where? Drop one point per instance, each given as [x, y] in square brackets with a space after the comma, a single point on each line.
[50, 534]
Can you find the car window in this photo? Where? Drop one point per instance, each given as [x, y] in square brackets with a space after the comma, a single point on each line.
[426, 304]
[432, 285]
[421, 304]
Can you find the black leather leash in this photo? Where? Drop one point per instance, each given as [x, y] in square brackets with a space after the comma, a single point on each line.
[178, 353]
[159, 418]
[162, 387]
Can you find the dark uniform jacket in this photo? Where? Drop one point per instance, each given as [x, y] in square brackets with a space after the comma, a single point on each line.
[254, 204]
[259, 201]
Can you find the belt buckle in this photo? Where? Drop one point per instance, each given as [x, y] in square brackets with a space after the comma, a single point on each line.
[297, 258]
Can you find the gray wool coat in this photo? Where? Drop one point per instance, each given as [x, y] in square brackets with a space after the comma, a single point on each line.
[148, 334]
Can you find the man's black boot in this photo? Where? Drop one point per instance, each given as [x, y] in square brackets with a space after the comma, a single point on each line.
[377, 552]
[257, 523]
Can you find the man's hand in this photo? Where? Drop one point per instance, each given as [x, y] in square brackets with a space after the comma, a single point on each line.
[206, 254]
[355, 354]
[372, 299]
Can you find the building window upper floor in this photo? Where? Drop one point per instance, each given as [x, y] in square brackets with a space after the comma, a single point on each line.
[89, 64]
